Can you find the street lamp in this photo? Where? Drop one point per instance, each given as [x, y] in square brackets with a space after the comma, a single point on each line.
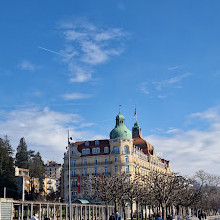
[70, 199]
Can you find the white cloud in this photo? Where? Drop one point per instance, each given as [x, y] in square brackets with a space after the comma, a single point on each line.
[193, 149]
[74, 96]
[27, 65]
[87, 46]
[44, 130]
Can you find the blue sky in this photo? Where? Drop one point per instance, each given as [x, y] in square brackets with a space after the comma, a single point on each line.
[68, 65]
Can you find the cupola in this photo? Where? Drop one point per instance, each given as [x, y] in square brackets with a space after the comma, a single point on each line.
[120, 130]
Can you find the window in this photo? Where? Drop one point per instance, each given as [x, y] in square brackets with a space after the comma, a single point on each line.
[85, 162]
[126, 169]
[96, 142]
[116, 159]
[85, 172]
[96, 150]
[87, 143]
[106, 160]
[96, 170]
[116, 150]
[116, 169]
[86, 151]
[126, 150]
[106, 149]
[74, 173]
[71, 162]
[106, 170]
[95, 161]
[126, 159]
[74, 163]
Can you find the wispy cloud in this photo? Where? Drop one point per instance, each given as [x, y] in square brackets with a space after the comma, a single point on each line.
[155, 88]
[27, 65]
[75, 96]
[193, 149]
[174, 81]
[88, 45]
[44, 130]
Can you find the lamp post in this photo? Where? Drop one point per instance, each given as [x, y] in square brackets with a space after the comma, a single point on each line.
[70, 199]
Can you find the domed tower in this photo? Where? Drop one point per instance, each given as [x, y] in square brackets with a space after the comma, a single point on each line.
[136, 130]
[120, 130]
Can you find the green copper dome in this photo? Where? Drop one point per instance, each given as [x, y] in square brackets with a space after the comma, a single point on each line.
[120, 130]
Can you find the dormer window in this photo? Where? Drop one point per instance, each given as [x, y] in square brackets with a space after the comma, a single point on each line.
[85, 151]
[96, 142]
[87, 143]
[96, 150]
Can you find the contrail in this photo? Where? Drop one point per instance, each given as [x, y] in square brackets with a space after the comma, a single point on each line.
[51, 51]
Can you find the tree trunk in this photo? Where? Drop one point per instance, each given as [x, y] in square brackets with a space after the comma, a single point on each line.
[164, 212]
[145, 212]
[116, 207]
[149, 212]
[142, 213]
[131, 204]
[137, 210]
[123, 208]
[106, 211]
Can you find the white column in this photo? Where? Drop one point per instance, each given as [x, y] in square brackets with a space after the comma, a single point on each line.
[39, 211]
[66, 214]
[22, 210]
[54, 212]
[48, 211]
[61, 213]
[86, 213]
[89, 213]
[77, 214]
[31, 210]
[81, 212]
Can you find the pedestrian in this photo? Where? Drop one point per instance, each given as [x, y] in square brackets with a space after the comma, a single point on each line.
[112, 217]
[118, 216]
[158, 216]
[169, 217]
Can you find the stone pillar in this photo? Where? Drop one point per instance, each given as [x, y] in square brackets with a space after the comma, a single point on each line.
[22, 211]
[89, 216]
[54, 212]
[39, 211]
[61, 213]
[31, 210]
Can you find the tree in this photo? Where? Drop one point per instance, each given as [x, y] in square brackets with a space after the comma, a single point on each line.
[7, 171]
[108, 189]
[22, 155]
[36, 169]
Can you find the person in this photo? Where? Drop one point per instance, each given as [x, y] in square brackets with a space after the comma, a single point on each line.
[169, 217]
[158, 216]
[118, 216]
[112, 217]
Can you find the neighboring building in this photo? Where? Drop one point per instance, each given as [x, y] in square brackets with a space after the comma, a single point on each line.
[124, 152]
[52, 177]
[24, 180]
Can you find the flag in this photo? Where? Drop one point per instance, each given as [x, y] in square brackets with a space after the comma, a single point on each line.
[135, 113]
[78, 183]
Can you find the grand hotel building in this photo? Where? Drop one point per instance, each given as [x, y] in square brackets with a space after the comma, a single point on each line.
[125, 151]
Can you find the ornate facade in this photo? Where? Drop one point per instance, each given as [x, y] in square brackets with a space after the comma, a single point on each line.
[124, 152]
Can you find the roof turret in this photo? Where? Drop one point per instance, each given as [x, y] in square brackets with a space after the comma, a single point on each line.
[120, 130]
